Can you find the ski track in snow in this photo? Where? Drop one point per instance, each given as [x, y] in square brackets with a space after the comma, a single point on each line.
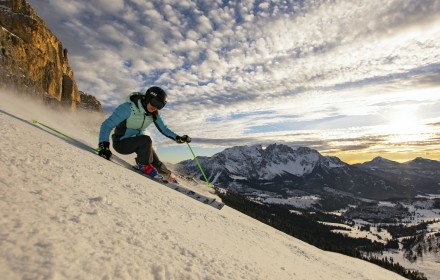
[67, 214]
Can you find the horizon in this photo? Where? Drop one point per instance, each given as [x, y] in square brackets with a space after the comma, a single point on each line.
[352, 81]
[210, 153]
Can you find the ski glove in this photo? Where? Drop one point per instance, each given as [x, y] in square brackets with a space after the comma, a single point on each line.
[183, 139]
[104, 150]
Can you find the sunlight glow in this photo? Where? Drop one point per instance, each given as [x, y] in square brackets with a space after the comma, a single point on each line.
[405, 126]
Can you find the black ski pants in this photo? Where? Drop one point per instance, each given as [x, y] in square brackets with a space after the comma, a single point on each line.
[141, 145]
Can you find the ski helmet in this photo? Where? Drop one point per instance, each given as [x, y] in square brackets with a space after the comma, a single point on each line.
[156, 96]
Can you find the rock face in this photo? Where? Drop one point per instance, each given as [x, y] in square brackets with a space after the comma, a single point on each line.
[32, 58]
[89, 102]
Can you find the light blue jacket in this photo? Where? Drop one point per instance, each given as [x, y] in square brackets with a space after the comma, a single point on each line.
[131, 119]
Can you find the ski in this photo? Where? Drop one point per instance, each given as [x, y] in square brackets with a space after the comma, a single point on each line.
[197, 196]
[213, 202]
[177, 187]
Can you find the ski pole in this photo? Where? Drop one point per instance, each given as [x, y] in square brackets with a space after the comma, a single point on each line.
[198, 164]
[53, 129]
[62, 134]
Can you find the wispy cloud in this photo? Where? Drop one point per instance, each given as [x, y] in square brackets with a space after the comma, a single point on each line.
[247, 71]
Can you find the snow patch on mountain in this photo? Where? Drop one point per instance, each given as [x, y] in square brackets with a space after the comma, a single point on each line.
[332, 162]
[234, 177]
[303, 202]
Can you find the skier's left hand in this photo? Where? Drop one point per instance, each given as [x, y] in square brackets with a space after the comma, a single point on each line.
[183, 139]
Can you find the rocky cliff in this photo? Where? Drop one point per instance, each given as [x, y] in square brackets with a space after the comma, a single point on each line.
[32, 59]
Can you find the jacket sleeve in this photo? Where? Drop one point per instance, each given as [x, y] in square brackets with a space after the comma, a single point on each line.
[162, 127]
[120, 114]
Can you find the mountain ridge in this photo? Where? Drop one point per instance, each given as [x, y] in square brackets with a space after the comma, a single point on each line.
[302, 168]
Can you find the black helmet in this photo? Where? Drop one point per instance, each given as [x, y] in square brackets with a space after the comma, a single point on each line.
[157, 97]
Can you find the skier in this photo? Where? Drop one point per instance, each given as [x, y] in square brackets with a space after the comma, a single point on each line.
[130, 120]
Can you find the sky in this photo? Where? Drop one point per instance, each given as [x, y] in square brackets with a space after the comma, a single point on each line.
[353, 79]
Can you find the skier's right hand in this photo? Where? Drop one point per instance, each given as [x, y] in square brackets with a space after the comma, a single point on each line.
[183, 139]
[104, 150]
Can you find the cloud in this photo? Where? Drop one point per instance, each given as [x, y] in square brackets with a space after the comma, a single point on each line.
[311, 64]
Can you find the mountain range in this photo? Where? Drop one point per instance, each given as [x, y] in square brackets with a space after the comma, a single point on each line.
[285, 170]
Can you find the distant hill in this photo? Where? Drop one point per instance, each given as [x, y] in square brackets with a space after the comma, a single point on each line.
[421, 175]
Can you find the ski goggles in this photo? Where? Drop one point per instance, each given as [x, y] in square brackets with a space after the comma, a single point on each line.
[157, 103]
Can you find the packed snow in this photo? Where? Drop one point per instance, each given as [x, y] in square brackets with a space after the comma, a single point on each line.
[65, 213]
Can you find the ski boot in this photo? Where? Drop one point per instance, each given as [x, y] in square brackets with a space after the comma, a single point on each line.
[149, 169]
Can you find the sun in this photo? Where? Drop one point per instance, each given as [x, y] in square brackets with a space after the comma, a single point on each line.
[404, 122]
[404, 125]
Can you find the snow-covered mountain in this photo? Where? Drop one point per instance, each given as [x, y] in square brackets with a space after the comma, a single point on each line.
[68, 214]
[282, 169]
[258, 163]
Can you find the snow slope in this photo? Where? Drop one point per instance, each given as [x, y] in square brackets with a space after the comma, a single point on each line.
[67, 214]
